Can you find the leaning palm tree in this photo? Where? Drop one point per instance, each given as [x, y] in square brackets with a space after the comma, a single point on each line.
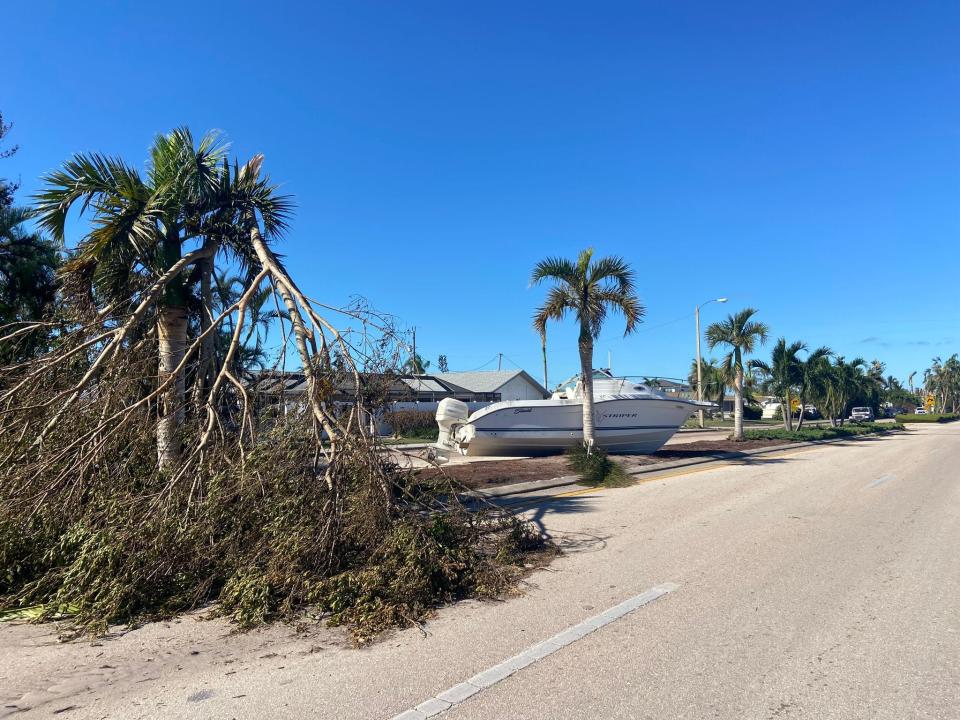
[783, 376]
[148, 230]
[741, 334]
[589, 289]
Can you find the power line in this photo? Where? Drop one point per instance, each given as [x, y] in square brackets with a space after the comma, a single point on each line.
[484, 365]
[643, 328]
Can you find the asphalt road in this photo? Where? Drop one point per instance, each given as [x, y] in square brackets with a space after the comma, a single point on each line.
[822, 583]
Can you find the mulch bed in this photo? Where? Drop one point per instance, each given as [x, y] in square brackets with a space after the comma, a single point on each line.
[492, 473]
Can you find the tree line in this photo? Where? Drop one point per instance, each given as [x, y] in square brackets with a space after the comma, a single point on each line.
[590, 288]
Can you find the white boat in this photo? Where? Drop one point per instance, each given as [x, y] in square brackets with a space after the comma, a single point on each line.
[629, 417]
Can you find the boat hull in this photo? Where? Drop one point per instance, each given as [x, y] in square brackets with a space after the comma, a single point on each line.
[627, 425]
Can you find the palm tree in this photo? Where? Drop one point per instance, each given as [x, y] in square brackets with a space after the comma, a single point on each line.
[155, 228]
[841, 386]
[741, 334]
[783, 375]
[589, 289]
[812, 371]
[942, 380]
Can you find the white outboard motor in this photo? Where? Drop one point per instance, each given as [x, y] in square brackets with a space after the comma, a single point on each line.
[451, 414]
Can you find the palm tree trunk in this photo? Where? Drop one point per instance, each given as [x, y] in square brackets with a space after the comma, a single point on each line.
[738, 405]
[586, 368]
[787, 412]
[802, 406]
[172, 336]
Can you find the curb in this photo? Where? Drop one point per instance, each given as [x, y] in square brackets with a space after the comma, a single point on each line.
[566, 480]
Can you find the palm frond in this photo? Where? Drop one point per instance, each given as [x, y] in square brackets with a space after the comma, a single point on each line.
[559, 301]
[554, 268]
[613, 269]
[86, 179]
[623, 302]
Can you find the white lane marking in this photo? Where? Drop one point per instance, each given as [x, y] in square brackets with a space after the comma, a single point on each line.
[491, 676]
[881, 480]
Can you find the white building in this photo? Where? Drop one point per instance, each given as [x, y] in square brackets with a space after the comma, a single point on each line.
[509, 384]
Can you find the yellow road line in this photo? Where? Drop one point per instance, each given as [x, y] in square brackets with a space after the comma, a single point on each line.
[581, 491]
[693, 471]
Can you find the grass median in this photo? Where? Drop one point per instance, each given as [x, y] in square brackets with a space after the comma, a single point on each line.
[826, 433]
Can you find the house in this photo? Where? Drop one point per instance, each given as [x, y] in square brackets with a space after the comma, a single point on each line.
[507, 384]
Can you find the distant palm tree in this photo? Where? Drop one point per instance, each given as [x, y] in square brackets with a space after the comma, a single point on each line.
[227, 291]
[942, 380]
[416, 365]
[715, 381]
[741, 334]
[783, 376]
[589, 289]
[842, 385]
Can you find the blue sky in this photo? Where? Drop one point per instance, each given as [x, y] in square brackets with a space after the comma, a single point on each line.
[800, 158]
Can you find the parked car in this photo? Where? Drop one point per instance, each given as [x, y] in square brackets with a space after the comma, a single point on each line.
[810, 412]
[862, 414]
[920, 411]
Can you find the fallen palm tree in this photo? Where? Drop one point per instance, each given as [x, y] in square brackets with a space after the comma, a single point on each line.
[142, 472]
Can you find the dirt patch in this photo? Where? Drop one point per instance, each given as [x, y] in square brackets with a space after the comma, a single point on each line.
[504, 472]
[507, 472]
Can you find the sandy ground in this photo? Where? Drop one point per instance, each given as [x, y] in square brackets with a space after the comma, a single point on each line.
[820, 583]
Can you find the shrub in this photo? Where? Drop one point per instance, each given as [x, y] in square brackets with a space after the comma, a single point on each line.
[752, 412]
[595, 467]
[931, 418]
[412, 423]
[265, 539]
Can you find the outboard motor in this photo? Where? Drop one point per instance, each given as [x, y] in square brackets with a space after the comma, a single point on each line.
[451, 414]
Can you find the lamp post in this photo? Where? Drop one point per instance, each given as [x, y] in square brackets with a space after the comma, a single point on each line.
[699, 369]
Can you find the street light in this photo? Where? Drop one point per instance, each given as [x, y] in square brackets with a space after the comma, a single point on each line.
[699, 369]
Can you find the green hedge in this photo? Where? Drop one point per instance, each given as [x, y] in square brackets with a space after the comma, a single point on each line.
[826, 433]
[412, 423]
[929, 418]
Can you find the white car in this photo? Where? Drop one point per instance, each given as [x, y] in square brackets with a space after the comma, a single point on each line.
[920, 411]
[861, 414]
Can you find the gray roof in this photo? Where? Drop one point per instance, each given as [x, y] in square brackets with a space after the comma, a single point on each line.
[487, 381]
[424, 383]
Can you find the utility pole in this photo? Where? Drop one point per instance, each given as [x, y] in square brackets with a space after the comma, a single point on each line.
[414, 363]
[499, 361]
[700, 369]
[543, 345]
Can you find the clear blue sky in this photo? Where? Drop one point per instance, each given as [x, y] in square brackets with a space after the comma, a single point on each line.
[801, 158]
